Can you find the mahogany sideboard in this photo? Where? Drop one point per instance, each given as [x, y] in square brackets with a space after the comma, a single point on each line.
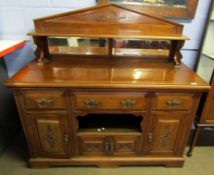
[122, 100]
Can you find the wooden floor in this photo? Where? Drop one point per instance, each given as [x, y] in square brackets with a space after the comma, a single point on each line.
[13, 162]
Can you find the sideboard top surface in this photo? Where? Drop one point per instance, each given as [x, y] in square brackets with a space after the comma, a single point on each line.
[107, 75]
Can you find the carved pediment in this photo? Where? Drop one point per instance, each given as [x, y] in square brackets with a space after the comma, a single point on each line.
[107, 21]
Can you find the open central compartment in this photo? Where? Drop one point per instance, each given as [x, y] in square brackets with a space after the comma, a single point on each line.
[109, 123]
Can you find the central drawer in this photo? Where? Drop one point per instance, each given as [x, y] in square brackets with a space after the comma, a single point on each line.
[109, 101]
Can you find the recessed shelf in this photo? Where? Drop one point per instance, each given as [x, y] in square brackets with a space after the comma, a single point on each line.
[109, 123]
[109, 131]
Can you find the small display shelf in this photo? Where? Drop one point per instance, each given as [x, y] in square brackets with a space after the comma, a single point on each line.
[109, 123]
[121, 33]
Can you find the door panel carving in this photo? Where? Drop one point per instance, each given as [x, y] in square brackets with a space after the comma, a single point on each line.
[165, 132]
[50, 135]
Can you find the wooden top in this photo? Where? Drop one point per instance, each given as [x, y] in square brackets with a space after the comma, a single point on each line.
[8, 46]
[108, 75]
[110, 21]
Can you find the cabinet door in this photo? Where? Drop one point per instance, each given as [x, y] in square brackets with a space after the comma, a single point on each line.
[48, 134]
[165, 135]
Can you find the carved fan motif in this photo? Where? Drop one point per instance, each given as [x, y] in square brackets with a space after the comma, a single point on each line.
[93, 147]
[111, 16]
[124, 147]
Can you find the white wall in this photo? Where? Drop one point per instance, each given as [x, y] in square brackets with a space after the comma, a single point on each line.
[16, 20]
[208, 44]
[194, 30]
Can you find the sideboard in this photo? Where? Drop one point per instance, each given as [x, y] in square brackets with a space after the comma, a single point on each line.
[107, 88]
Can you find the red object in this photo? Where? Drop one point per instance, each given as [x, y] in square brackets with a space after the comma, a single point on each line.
[11, 49]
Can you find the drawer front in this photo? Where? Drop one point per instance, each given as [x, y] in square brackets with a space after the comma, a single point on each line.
[108, 145]
[174, 101]
[44, 99]
[126, 145]
[109, 101]
[91, 145]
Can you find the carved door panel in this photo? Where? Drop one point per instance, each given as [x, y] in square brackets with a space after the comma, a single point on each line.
[165, 135]
[48, 134]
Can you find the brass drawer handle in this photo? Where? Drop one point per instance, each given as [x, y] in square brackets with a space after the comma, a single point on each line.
[127, 103]
[173, 102]
[92, 103]
[44, 102]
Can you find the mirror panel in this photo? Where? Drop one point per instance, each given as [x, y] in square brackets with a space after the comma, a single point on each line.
[78, 46]
[138, 47]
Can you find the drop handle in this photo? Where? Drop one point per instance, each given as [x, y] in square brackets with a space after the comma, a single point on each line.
[92, 103]
[109, 147]
[173, 102]
[106, 147]
[128, 103]
[150, 137]
[44, 102]
[66, 139]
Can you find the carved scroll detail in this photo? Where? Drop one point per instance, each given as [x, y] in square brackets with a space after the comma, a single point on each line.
[41, 51]
[178, 56]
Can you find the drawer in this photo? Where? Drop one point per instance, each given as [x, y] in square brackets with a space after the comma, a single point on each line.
[109, 101]
[174, 101]
[108, 145]
[44, 99]
[126, 145]
[90, 145]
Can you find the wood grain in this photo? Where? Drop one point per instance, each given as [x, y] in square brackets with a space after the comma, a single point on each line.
[107, 75]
